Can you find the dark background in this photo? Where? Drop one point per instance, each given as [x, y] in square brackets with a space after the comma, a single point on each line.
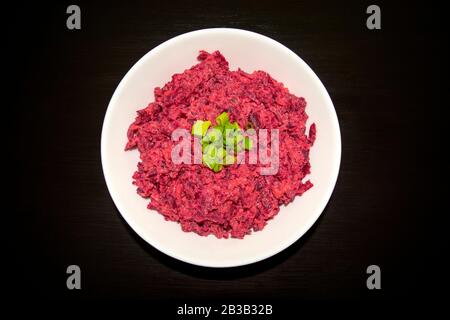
[380, 81]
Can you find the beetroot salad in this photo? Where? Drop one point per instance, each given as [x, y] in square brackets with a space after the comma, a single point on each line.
[235, 198]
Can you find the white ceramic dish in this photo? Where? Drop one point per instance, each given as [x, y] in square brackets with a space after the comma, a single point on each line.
[249, 51]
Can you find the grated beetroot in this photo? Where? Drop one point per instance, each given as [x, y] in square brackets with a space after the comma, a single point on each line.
[238, 199]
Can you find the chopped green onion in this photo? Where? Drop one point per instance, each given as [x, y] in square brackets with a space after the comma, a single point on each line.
[217, 167]
[200, 127]
[222, 119]
[248, 143]
[220, 154]
[211, 151]
[239, 137]
[213, 136]
[229, 137]
[215, 140]
[251, 131]
[229, 159]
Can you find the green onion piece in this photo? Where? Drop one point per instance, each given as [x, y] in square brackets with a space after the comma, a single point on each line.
[229, 137]
[210, 151]
[214, 154]
[222, 119]
[205, 142]
[217, 167]
[228, 126]
[239, 136]
[213, 136]
[200, 127]
[229, 160]
[220, 155]
[208, 161]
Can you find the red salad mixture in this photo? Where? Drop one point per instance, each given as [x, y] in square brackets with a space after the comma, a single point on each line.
[238, 199]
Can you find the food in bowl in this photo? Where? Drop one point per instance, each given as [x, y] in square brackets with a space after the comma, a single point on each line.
[231, 199]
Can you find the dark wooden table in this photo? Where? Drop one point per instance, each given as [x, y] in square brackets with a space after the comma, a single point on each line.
[379, 80]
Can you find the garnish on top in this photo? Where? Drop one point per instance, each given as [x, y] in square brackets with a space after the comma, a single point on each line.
[219, 143]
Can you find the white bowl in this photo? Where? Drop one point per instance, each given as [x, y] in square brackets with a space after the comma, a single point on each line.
[249, 51]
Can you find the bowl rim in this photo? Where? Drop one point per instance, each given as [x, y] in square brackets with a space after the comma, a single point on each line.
[244, 261]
